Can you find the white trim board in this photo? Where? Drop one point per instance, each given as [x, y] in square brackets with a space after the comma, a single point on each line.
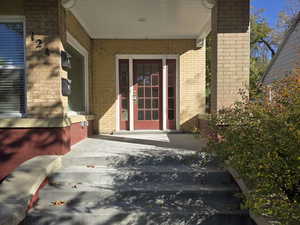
[82, 50]
[165, 80]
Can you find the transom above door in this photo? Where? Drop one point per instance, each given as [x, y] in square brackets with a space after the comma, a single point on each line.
[146, 90]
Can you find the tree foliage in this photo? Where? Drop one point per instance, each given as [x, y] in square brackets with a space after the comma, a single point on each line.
[261, 139]
[286, 18]
[262, 48]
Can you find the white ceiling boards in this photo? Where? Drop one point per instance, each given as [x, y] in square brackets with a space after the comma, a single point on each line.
[143, 19]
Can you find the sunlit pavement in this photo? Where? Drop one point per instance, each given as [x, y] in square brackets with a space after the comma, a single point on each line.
[139, 179]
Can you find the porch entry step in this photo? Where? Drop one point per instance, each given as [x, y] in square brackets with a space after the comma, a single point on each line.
[113, 182]
[151, 177]
[99, 198]
[141, 158]
[73, 190]
[113, 216]
[127, 132]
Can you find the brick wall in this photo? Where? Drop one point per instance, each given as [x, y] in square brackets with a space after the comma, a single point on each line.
[231, 51]
[192, 88]
[104, 83]
[48, 21]
[13, 7]
[44, 71]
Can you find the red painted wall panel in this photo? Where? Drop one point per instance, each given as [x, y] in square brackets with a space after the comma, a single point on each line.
[18, 145]
[78, 133]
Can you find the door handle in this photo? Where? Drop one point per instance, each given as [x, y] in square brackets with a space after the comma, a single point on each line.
[134, 97]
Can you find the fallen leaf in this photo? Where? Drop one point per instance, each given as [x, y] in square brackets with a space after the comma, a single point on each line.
[90, 166]
[58, 203]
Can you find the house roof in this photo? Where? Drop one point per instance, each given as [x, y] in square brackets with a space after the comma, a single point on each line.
[280, 50]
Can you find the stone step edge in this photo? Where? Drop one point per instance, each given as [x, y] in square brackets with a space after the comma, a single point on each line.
[17, 190]
[75, 188]
[109, 211]
[151, 169]
[258, 219]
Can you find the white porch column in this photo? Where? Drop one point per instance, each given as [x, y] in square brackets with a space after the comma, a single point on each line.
[165, 92]
[131, 106]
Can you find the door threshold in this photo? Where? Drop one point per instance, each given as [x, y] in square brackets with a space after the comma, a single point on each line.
[146, 132]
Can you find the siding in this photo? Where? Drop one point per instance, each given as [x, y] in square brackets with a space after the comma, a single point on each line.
[287, 59]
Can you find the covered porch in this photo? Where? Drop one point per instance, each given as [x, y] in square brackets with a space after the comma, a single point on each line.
[136, 65]
[148, 59]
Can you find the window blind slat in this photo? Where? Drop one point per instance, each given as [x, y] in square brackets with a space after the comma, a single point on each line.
[12, 84]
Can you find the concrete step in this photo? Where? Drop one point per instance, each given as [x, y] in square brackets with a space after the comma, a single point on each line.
[116, 216]
[144, 175]
[140, 158]
[200, 190]
[188, 198]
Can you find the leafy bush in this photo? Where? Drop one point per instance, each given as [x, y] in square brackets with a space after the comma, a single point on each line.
[261, 140]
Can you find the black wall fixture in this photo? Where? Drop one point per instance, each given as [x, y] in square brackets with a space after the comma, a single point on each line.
[66, 87]
[65, 60]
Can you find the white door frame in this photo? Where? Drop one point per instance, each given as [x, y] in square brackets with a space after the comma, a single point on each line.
[165, 88]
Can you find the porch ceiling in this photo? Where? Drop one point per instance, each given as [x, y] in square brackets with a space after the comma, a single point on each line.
[144, 19]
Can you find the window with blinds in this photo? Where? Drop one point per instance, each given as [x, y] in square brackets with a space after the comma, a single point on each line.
[12, 68]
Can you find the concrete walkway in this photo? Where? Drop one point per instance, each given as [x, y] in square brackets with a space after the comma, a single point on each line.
[139, 179]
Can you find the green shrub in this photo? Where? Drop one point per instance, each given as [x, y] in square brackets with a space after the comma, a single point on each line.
[261, 140]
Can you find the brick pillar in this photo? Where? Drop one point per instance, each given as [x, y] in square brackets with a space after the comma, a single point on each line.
[230, 52]
[192, 88]
[45, 30]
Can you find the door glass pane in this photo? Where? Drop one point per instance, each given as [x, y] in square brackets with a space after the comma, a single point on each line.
[147, 68]
[124, 115]
[148, 115]
[155, 68]
[139, 68]
[140, 79]
[147, 79]
[148, 92]
[148, 103]
[155, 103]
[171, 103]
[141, 115]
[171, 114]
[140, 92]
[124, 91]
[171, 92]
[155, 115]
[124, 103]
[154, 80]
[155, 92]
[141, 103]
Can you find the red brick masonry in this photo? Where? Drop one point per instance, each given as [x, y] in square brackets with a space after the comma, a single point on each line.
[18, 145]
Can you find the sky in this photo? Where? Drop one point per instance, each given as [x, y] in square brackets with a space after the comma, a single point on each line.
[272, 8]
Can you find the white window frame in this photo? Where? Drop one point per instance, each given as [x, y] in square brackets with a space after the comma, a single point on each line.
[165, 88]
[84, 52]
[17, 19]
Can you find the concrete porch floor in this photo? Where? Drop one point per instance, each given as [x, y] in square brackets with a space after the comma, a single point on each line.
[139, 179]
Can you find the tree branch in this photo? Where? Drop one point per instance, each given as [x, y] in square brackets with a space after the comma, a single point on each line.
[268, 46]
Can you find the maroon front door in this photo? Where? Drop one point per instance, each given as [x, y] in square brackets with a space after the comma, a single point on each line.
[147, 94]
